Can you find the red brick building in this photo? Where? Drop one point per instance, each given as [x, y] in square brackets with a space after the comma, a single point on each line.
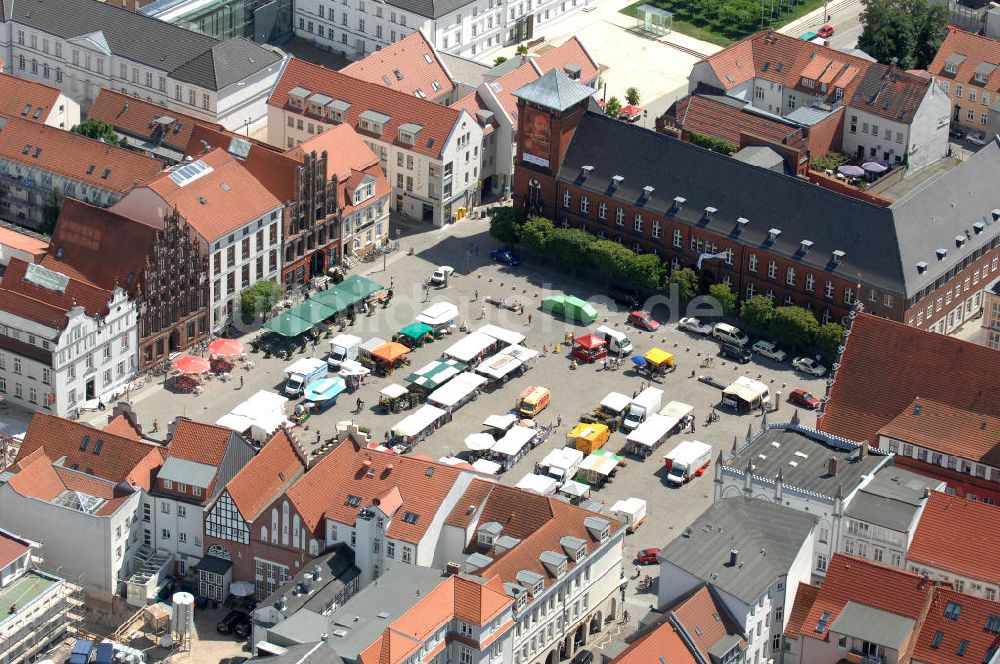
[913, 261]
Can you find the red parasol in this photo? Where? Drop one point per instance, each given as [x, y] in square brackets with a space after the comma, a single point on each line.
[225, 348]
[190, 365]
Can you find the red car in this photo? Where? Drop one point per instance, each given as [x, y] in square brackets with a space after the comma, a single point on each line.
[826, 31]
[648, 556]
[643, 321]
[802, 398]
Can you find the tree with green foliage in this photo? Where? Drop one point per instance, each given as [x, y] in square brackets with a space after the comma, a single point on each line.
[100, 131]
[829, 161]
[725, 296]
[613, 107]
[794, 327]
[499, 61]
[259, 299]
[536, 233]
[611, 260]
[829, 337]
[632, 95]
[646, 272]
[570, 248]
[757, 312]
[505, 224]
[911, 31]
[686, 281]
[522, 49]
[712, 143]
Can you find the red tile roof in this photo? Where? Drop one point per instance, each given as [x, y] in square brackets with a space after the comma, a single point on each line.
[436, 121]
[15, 239]
[805, 597]
[665, 641]
[409, 65]
[26, 99]
[959, 536]
[74, 156]
[570, 52]
[345, 151]
[123, 426]
[952, 431]
[370, 475]
[11, 548]
[711, 117]
[502, 87]
[472, 104]
[200, 442]
[977, 50]
[99, 246]
[705, 620]
[850, 579]
[117, 460]
[48, 307]
[220, 201]
[969, 626]
[874, 385]
[266, 476]
[137, 118]
[272, 168]
[36, 478]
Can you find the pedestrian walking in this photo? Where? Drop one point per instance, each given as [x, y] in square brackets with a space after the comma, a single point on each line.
[476, 296]
[156, 426]
[360, 404]
[241, 382]
[635, 393]
[482, 312]
[637, 572]
[559, 420]
[529, 319]
[317, 436]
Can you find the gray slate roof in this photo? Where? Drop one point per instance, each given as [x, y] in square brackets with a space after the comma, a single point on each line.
[337, 569]
[186, 471]
[747, 525]
[188, 56]
[302, 653]
[874, 625]
[891, 499]
[554, 90]
[881, 244]
[429, 8]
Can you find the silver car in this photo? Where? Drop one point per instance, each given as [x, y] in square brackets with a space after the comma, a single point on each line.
[692, 324]
[770, 350]
[808, 365]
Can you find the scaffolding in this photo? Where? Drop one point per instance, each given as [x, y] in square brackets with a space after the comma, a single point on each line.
[654, 21]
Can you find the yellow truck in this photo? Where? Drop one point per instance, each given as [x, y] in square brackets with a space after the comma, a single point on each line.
[588, 437]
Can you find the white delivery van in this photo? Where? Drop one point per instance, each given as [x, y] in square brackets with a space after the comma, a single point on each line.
[687, 460]
[730, 333]
[561, 464]
[343, 347]
[645, 404]
[632, 511]
[618, 342]
[302, 372]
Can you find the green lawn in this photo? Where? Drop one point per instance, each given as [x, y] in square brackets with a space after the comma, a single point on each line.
[688, 21]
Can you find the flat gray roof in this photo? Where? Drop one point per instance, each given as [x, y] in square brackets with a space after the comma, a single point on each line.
[749, 526]
[187, 472]
[892, 499]
[803, 461]
[874, 625]
[336, 569]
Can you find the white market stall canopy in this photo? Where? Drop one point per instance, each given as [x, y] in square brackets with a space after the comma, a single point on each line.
[574, 489]
[677, 410]
[562, 459]
[470, 347]
[538, 484]
[600, 464]
[486, 466]
[515, 439]
[746, 389]
[509, 337]
[393, 391]
[261, 414]
[615, 402]
[652, 432]
[522, 353]
[501, 422]
[353, 368]
[499, 365]
[479, 442]
[418, 421]
[438, 314]
[633, 506]
[455, 390]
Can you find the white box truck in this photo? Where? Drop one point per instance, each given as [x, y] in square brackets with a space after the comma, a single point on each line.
[632, 511]
[343, 347]
[645, 404]
[687, 460]
[561, 464]
[618, 342]
[302, 372]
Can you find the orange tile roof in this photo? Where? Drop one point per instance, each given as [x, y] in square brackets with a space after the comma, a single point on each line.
[200, 442]
[969, 626]
[118, 460]
[272, 168]
[805, 597]
[436, 121]
[471, 104]
[258, 483]
[976, 49]
[14, 239]
[959, 536]
[36, 478]
[873, 386]
[704, 619]
[570, 52]
[479, 603]
[850, 579]
[74, 156]
[122, 426]
[26, 99]
[467, 508]
[87, 484]
[220, 201]
[710, 117]
[410, 64]
[369, 475]
[952, 431]
[11, 548]
[665, 641]
[502, 87]
[345, 151]
[99, 246]
[134, 117]
[48, 307]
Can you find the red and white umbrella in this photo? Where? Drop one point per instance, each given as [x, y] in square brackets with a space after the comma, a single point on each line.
[225, 348]
[191, 365]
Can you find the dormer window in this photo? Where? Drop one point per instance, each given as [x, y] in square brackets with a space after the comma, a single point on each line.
[647, 192]
[959, 240]
[741, 223]
[365, 190]
[921, 267]
[537, 589]
[585, 171]
[941, 254]
[337, 110]
[978, 227]
[838, 256]
[373, 121]
[950, 68]
[710, 212]
[297, 97]
[616, 181]
[679, 202]
[808, 83]
[805, 245]
[772, 235]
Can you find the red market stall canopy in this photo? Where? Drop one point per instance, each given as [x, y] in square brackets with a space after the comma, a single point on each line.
[590, 341]
[191, 365]
[225, 348]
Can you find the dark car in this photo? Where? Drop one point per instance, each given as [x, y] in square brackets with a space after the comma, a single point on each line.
[735, 352]
[643, 321]
[583, 657]
[505, 256]
[234, 660]
[626, 297]
[236, 622]
[648, 556]
[956, 133]
[800, 397]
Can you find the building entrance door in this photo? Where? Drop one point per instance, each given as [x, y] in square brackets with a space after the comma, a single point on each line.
[90, 392]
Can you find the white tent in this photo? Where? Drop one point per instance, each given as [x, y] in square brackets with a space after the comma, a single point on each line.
[486, 466]
[615, 402]
[501, 422]
[677, 410]
[562, 460]
[538, 484]
[498, 366]
[393, 391]
[478, 442]
[451, 460]
[600, 464]
[514, 440]
[652, 431]
[438, 314]
[469, 347]
[574, 489]
[418, 421]
[455, 391]
[522, 353]
[352, 368]
[502, 334]
[261, 415]
[745, 393]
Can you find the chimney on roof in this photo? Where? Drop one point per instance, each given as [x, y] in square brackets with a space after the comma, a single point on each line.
[734, 556]
[831, 466]
[862, 450]
[927, 492]
[317, 573]
[453, 568]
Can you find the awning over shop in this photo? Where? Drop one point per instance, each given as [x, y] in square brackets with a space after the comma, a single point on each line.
[312, 312]
[615, 402]
[349, 292]
[393, 391]
[652, 431]
[590, 341]
[501, 422]
[454, 391]
[470, 346]
[657, 356]
[288, 325]
[324, 389]
[486, 466]
[574, 489]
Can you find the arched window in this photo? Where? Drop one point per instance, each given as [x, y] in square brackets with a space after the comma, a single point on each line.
[263, 534]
